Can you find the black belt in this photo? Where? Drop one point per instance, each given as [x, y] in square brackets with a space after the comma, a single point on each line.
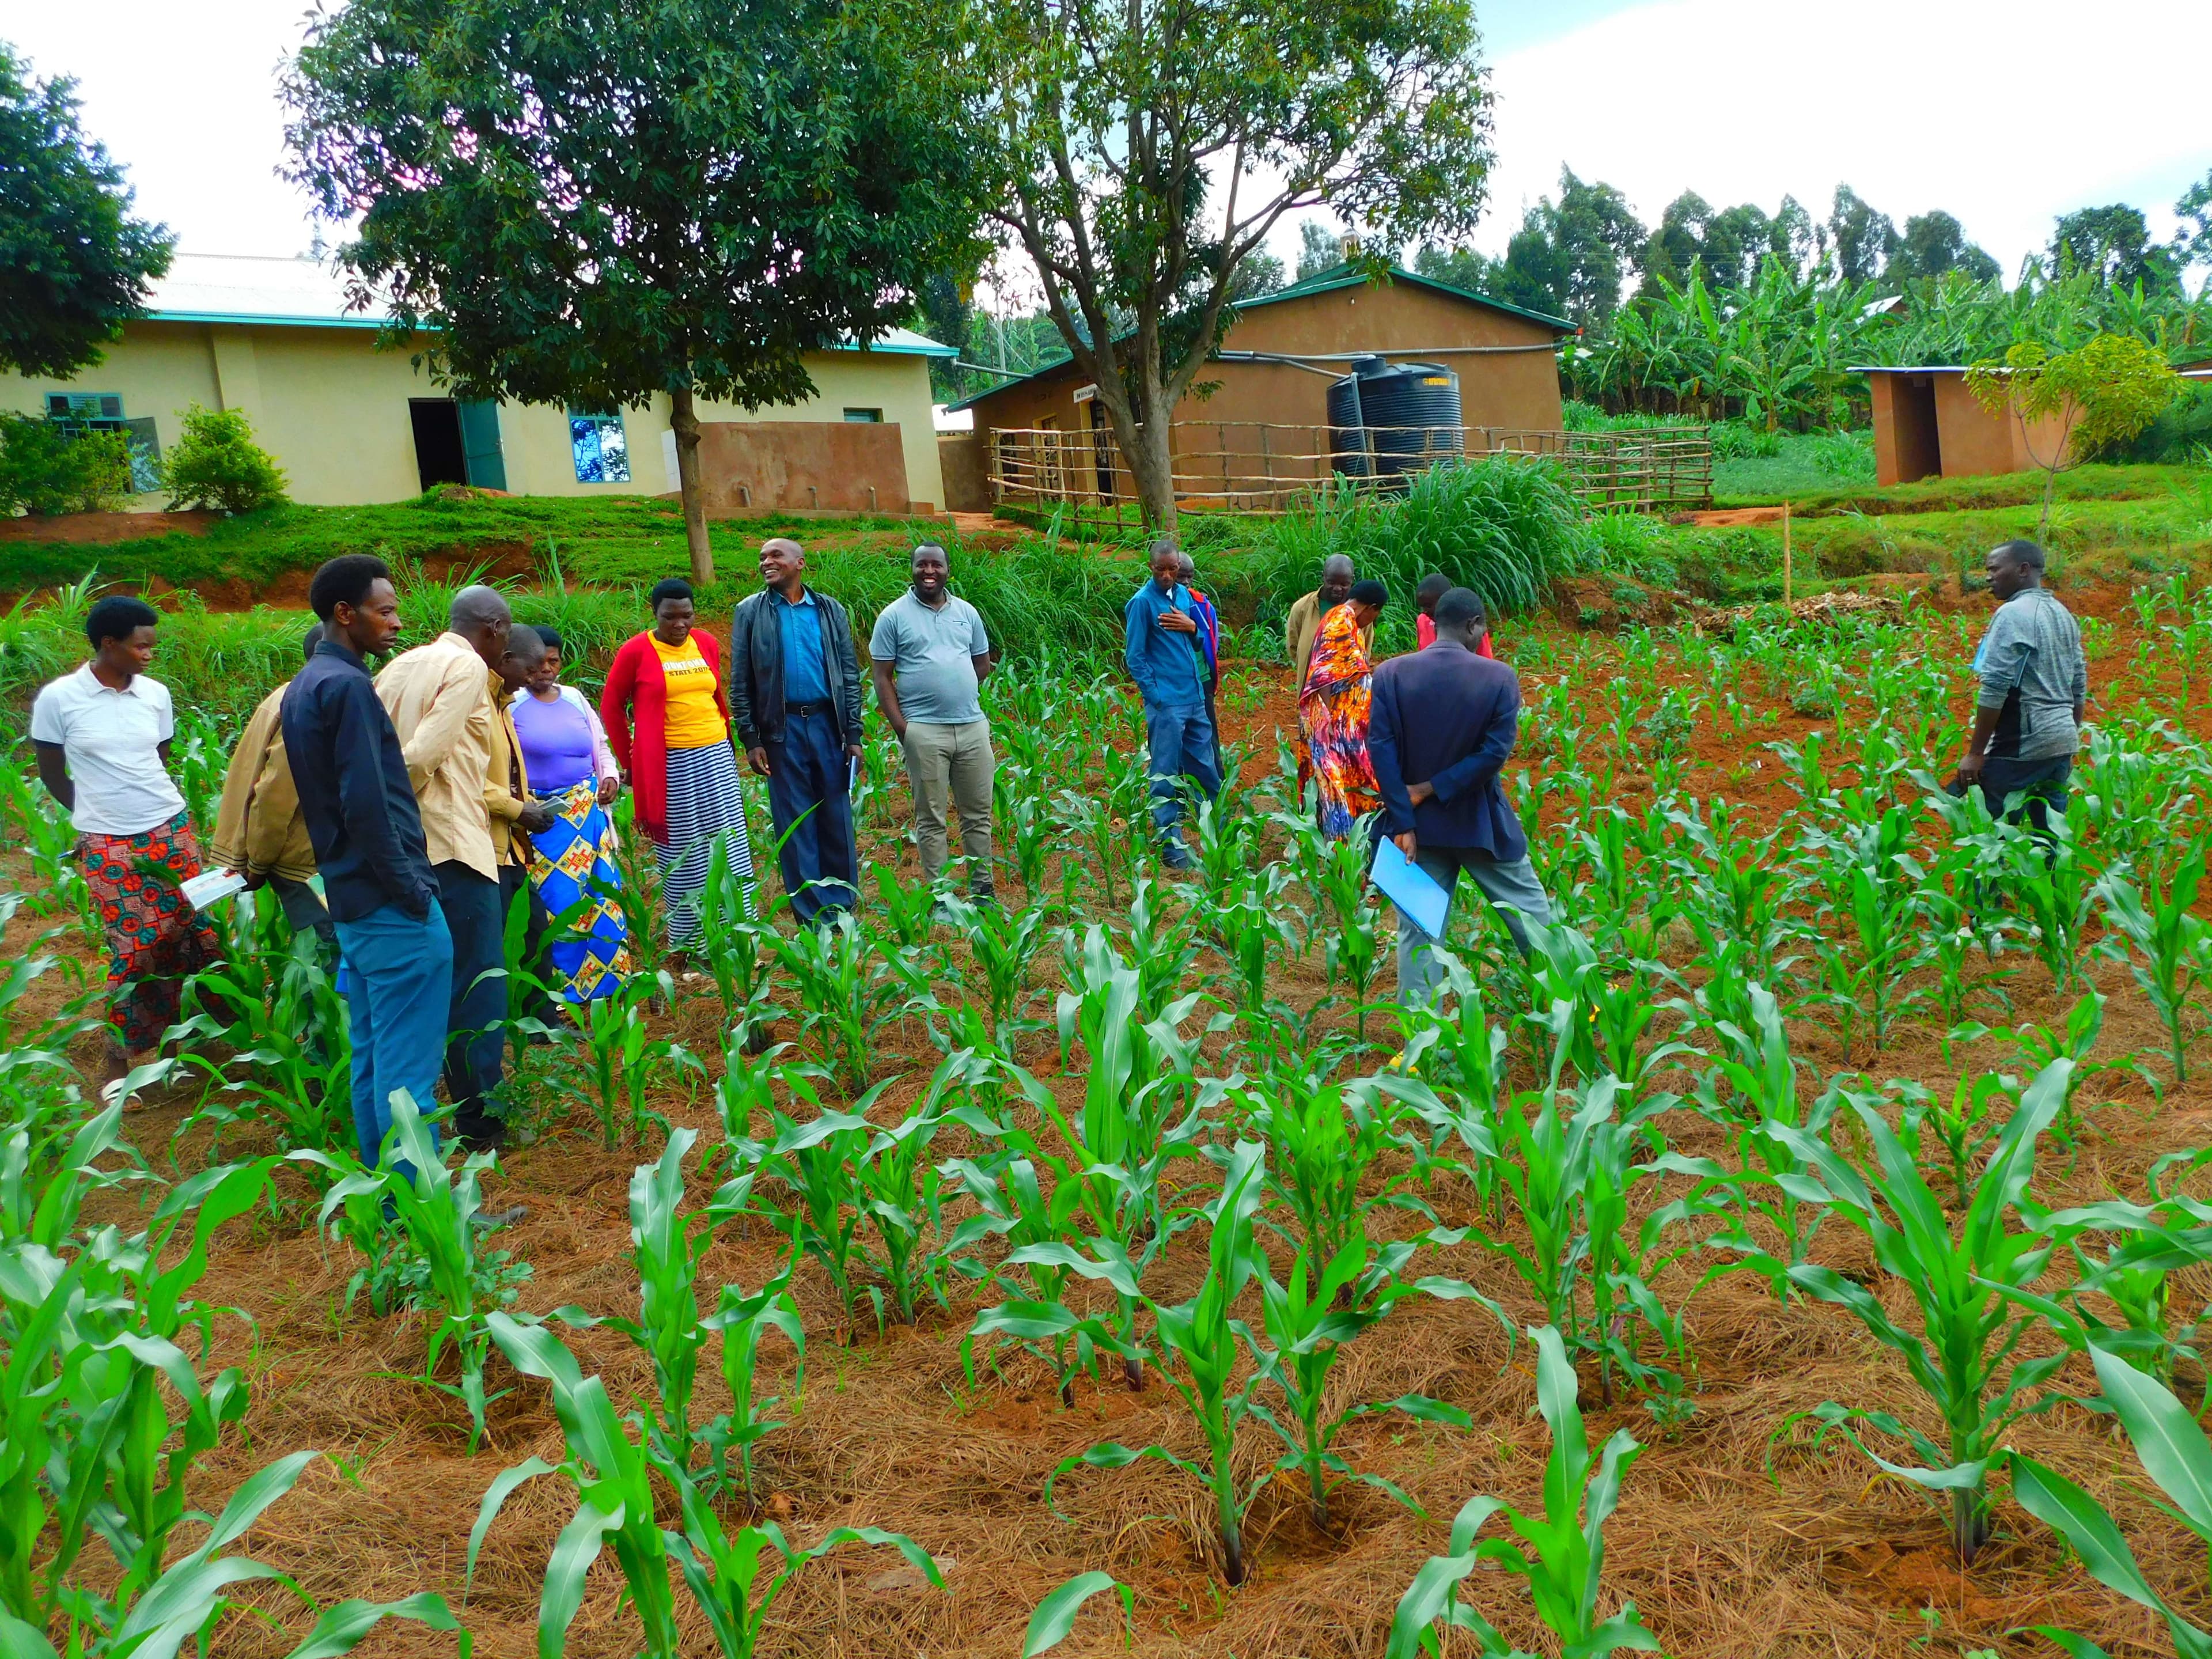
[800, 711]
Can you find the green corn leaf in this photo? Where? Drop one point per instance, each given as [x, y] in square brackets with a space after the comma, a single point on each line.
[2173, 1449]
[573, 1552]
[494, 1499]
[1055, 1617]
[1114, 1456]
[2067, 1511]
[341, 1628]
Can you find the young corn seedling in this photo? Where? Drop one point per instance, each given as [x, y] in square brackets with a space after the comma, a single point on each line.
[848, 990]
[1024, 824]
[1325, 1303]
[1560, 1553]
[1197, 1343]
[1322, 1141]
[668, 1330]
[1012, 1205]
[739, 950]
[742, 1322]
[2173, 1452]
[623, 1061]
[898, 1190]
[2174, 947]
[1451, 1043]
[291, 1057]
[1356, 948]
[1963, 1276]
[907, 909]
[1003, 944]
[435, 1206]
[817, 1162]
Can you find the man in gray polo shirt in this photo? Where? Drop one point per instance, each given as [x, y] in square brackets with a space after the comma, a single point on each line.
[2035, 689]
[928, 654]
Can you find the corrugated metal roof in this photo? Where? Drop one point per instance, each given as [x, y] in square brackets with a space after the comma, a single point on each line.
[247, 289]
[1323, 281]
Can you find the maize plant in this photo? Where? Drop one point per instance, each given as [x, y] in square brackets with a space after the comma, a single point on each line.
[291, 1060]
[738, 951]
[434, 1207]
[743, 1321]
[1468, 1070]
[1002, 943]
[2173, 1452]
[1196, 1344]
[1012, 1205]
[1962, 1276]
[1324, 1139]
[187, 1599]
[667, 1330]
[1560, 1552]
[848, 990]
[623, 1060]
[908, 909]
[818, 1162]
[2174, 946]
[1325, 1303]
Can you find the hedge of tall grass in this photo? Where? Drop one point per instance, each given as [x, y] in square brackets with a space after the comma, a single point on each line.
[1507, 527]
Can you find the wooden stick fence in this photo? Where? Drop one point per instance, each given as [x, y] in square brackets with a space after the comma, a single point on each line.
[1248, 467]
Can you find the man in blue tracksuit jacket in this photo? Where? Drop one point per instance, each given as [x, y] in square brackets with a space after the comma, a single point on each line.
[1165, 657]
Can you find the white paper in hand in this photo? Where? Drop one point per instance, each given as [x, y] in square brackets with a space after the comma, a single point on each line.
[1412, 889]
[211, 887]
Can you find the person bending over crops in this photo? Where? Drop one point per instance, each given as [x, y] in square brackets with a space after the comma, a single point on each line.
[1333, 709]
[1162, 651]
[102, 737]
[1444, 724]
[440, 696]
[668, 719]
[795, 694]
[366, 826]
[260, 834]
[1303, 625]
[2035, 690]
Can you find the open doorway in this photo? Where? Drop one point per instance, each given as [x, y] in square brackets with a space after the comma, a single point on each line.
[440, 458]
[1912, 422]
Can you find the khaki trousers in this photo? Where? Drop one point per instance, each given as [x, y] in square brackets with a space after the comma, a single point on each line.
[952, 762]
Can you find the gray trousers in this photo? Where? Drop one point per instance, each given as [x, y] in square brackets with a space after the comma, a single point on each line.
[951, 764]
[1512, 889]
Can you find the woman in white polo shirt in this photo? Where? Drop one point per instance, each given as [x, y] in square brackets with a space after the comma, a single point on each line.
[102, 736]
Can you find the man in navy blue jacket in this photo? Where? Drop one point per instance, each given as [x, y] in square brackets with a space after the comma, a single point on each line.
[1443, 723]
[367, 830]
[1163, 651]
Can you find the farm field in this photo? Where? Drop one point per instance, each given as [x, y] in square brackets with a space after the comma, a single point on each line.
[1782, 955]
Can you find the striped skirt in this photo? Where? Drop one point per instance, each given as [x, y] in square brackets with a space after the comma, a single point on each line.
[706, 804]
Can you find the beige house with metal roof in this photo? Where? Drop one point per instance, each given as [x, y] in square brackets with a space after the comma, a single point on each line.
[351, 422]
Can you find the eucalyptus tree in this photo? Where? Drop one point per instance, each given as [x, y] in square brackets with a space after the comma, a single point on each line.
[563, 202]
[1147, 148]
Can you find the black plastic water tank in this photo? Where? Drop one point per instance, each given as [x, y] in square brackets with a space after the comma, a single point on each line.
[1398, 417]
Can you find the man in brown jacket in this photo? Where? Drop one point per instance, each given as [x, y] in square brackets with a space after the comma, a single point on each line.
[259, 832]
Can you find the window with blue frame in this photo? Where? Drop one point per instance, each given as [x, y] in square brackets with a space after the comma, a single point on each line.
[600, 449]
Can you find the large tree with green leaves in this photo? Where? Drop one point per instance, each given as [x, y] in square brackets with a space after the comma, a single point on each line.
[588, 204]
[1148, 148]
[74, 260]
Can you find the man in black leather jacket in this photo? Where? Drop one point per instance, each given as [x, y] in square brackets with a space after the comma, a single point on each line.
[795, 699]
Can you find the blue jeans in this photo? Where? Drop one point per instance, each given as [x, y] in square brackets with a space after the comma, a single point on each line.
[807, 789]
[400, 974]
[1181, 743]
[475, 1038]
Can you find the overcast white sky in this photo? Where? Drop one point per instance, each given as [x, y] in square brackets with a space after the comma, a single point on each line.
[2004, 111]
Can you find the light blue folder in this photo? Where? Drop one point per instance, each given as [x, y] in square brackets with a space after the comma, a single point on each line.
[1410, 888]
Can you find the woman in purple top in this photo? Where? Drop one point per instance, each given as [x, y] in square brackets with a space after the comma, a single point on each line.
[573, 865]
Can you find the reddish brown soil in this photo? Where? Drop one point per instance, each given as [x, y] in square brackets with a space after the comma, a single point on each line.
[94, 528]
[1822, 1557]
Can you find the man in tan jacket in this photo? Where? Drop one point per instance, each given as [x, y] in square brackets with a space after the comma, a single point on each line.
[259, 831]
[438, 696]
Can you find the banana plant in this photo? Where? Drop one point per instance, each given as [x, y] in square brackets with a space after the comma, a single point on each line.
[1308, 1319]
[1196, 1342]
[1560, 1552]
[2173, 1452]
[1962, 1277]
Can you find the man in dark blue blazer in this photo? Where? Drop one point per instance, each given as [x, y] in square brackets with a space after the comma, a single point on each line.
[1442, 725]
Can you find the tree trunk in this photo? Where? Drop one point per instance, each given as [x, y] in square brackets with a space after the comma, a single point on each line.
[685, 423]
[1151, 463]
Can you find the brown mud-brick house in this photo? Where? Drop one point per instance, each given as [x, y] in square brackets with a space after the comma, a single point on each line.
[1261, 411]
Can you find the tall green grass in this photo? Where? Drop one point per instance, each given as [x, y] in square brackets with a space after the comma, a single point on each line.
[1507, 527]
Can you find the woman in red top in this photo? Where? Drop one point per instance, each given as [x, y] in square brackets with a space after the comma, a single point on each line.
[668, 722]
[1432, 588]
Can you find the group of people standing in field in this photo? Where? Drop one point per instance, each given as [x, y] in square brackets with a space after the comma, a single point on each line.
[402, 819]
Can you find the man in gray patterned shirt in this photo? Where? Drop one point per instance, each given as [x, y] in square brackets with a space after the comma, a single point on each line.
[2035, 686]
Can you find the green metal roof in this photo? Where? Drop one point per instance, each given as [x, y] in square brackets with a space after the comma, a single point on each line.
[1323, 282]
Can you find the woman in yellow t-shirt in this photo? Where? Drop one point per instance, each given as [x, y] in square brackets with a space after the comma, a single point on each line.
[668, 721]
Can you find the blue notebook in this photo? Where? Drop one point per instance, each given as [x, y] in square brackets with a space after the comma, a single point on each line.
[1410, 888]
